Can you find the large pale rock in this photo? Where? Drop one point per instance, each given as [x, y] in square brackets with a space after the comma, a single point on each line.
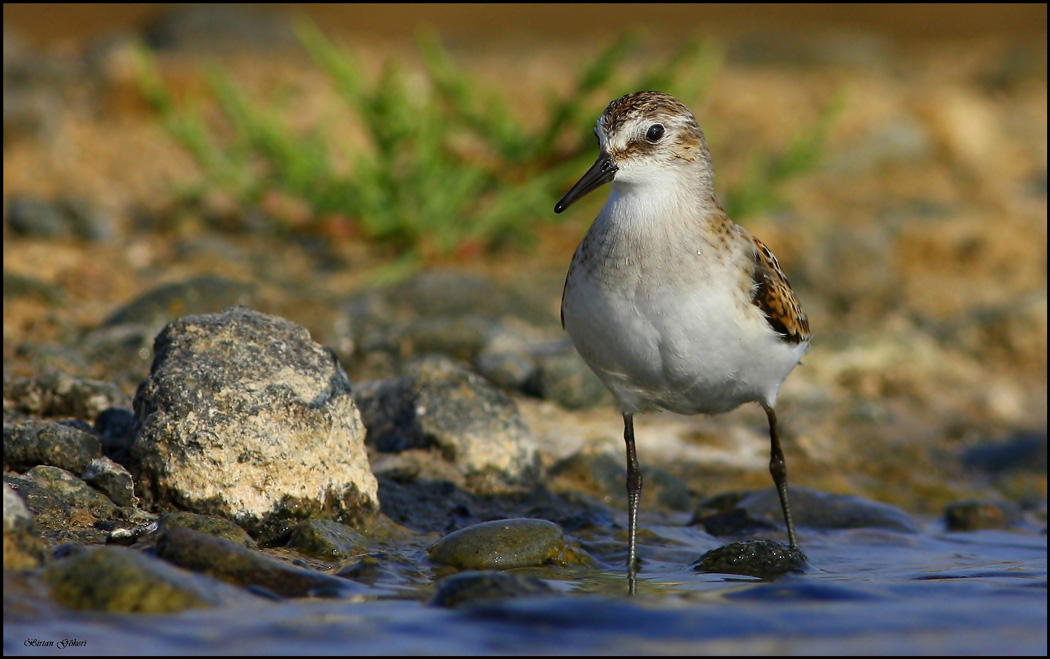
[243, 415]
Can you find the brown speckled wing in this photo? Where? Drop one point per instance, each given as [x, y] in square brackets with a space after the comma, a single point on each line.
[773, 295]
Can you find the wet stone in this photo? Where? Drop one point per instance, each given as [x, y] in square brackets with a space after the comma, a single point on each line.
[23, 549]
[381, 568]
[233, 563]
[112, 479]
[116, 579]
[471, 587]
[214, 526]
[973, 515]
[33, 442]
[764, 559]
[326, 540]
[500, 544]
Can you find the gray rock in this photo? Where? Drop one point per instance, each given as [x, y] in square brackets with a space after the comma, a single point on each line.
[54, 519]
[40, 218]
[470, 587]
[115, 579]
[61, 218]
[33, 442]
[112, 479]
[972, 515]
[199, 295]
[605, 475]
[823, 510]
[213, 526]
[20, 286]
[764, 559]
[22, 547]
[449, 293]
[1024, 451]
[59, 394]
[238, 565]
[115, 428]
[382, 567]
[440, 404]
[500, 544]
[71, 490]
[567, 380]
[244, 416]
[327, 540]
[215, 28]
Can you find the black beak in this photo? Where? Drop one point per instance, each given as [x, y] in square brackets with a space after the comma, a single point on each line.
[601, 172]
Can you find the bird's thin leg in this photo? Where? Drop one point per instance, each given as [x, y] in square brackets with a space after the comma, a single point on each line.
[778, 468]
[634, 492]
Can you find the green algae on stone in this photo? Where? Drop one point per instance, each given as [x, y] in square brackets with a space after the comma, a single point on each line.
[328, 540]
[120, 580]
[764, 559]
[241, 566]
[504, 543]
[72, 490]
[214, 526]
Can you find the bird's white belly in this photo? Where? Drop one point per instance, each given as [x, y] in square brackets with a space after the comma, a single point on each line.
[699, 351]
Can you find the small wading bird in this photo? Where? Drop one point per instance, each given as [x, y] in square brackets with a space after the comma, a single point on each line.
[670, 302]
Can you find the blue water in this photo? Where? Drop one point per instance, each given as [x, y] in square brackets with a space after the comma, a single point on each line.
[868, 592]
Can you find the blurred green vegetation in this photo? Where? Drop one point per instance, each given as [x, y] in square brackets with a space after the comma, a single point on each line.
[448, 165]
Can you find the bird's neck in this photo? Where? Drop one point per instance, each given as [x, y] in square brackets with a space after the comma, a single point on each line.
[662, 204]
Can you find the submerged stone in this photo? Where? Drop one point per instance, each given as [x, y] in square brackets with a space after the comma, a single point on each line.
[470, 587]
[972, 515]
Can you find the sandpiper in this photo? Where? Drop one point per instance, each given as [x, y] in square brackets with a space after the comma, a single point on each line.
[670, 302]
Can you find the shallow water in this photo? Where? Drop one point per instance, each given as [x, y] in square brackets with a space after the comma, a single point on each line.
[867, 592]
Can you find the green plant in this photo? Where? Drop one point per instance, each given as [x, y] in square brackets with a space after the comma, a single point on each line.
[765, 173]
[444, 165]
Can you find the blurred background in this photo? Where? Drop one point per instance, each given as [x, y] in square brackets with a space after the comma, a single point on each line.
[169, 159]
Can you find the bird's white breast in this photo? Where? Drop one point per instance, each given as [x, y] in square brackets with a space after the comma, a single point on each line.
[665, 320]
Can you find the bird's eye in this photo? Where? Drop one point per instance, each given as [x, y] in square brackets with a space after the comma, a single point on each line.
[655, 132]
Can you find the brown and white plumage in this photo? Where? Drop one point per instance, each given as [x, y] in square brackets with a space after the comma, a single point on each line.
[670, 302]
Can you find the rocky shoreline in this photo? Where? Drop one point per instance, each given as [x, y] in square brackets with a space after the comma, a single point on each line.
[207, 405]
[250, 465]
